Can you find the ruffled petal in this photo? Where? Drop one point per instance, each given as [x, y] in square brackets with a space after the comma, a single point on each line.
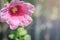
[30, 8]
[25, 20]
[13, 27]
[16, 2]
[3, 15]
[13, 22]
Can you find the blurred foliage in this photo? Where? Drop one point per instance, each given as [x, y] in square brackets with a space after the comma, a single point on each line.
[43, 11]
[43, 7]
[54, 13]
[31, 1]
[0, 27]
[20, 34]
[8, 0]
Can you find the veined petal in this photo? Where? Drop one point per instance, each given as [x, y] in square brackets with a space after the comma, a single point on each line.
[25, 20]
[13, 27]
[30, 8]
[13, 22]
[3, 15]
[16, 2]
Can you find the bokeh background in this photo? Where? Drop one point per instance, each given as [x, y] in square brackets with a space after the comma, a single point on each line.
[46, 21]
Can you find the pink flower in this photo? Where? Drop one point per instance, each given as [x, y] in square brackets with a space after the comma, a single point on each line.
[17, 13]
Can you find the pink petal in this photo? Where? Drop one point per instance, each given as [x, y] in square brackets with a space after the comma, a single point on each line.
[13, 22]
[23, 21]
[3, 15]
[13, 27]
[16, 2]
[30, 8]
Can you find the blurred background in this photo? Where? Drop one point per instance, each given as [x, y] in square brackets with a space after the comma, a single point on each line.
[46, 24]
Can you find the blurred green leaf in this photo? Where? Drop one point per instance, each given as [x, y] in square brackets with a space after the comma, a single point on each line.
[27, 37]
[12, 36]
[21, 31]
[8, 0]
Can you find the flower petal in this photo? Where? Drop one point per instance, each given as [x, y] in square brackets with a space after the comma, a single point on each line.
[3, 15]
[25, 20]
[30, 8]
[15, 2]
[13, 22]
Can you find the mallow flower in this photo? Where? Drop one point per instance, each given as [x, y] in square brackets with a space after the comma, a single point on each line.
[17, 13]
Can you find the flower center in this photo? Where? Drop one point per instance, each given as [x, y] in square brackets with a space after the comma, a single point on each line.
[14, 10]
[17, 10]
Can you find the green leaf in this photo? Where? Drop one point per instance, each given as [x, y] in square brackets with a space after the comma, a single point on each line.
[27, 37]
[16, 39]
[20, 29]
[22, 33]
[12, 36]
